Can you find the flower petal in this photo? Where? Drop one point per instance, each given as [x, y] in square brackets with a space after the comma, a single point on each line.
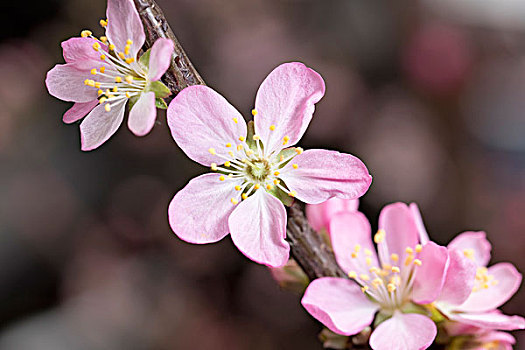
[459, 279]
[80, 53]
[199, 212]
[323, 174]
[490, 320]
[143, 114]
[319, 215]
[199, 119]
[348, 230]
[124, 24]
[430, 276]
[160, 58]
[100, 125]
[79, 111]
[502, 337]
[258, 229]
[339, 304]
[475, 241]
[404, 332]
[507, 280]
[286, 100]
[423, 235]
[400, 229]
[66, 82]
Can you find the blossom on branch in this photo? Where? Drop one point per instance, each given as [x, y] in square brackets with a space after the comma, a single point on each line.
[102, 74]
[319, 215]
[255, 169]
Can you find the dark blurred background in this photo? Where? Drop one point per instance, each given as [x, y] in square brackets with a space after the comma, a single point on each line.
[430, 94]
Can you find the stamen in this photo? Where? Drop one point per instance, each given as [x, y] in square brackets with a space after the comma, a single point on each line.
[104, 39]
[107, 107]
[394, 257]
[395, 269]
[292, 193]
[391, 287]
[285, 140]
[212, 151]
[111, 47]
[352, 274]
[227, 164]
[299, 150]
[254, 112]
[130, 60]
[242, 138]
[103, 23]
[214, 166]
[96, 46]
[295, 166]
[379, 237]
[244, 196]
[469, 253]
[272, 127]
[418, 262]
[419, 248]
[85, 33]
[129, 79]
[276, 173]
[234, 201]
[269, 187]
[94, 71]
[222, 178]
[235, 120]
[237, 188]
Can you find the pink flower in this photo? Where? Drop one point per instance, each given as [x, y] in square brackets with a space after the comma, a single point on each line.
[319, 215]
[483, 289]
[256, 169]
[101, 75]
[402, 275]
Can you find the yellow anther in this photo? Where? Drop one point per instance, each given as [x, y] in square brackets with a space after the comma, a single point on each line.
[128, 95]
[387, 267]
[276, 173]
[91, 83]
[368, 261]
[94, 71]
[126, 50]
[107, 107]
[130, 60]
[235, 120]
[111, 47]
[254, 112]
[419, 248]
[104, 39]
[222, 178]
[111, 96]
[368, 252]
[276, 182]
[115, 89]
[295, 166]
[409, 250]
[364, 277]
[239, 147]
[102, 57]
[353, 255]
[212, 150]
[230, 176]
[299, 150]
[408, 260]
[286, 139]
[230, 153]
[102, 69]
[129, 79]
[97, 85]
[129, 42]
[391, 287]
[357, 248]
[249, 152]
[234, 201]
[377, 282]
[121, 55]
[214, 166]
[281, 158]
[244, 196]
[118, 79]
[102, 100]
[269, 187]
[103, 23]
[237, 188]
[100, 92]
[85, 33]
[394, 257]
[379, 237]
[395, 269]
[418, 262]
[256, 137]
[292, 193]
[272, 127]
[374, 269]
[242, 138]
[96, 46]
[227, 164]
[228, 145]
[352, 274]
[469, 253]
[257, 186]
[364, 289]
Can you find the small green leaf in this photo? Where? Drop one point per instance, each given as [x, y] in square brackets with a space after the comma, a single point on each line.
[282, 196]
[286, 153]
[132, 101]
[158, 88]
[144, 59]
[249, 138]
[160, 103]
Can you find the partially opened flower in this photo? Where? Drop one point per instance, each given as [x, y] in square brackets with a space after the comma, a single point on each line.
[486, 289]
[102, 74]
[394, 281]
[253, 169]
[465, 337]
[319, 215]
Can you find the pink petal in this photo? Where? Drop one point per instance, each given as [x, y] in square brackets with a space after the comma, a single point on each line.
[80, 53]
[160, 58]
[346, 231]
[286, 99]
[507, 280]
[200, 119]
[490, 320]
[66, 82]
[476, 241]
[459, 279]
[199, 212]
[497, 336]
[423, 235]
[143, 114]
[319, 215]
[339, 304]
[323, 174]
[404, 332]
[123, 24]
[79, 111]
[258, 229]
[100, 125]
[430, 276]
[401, 231]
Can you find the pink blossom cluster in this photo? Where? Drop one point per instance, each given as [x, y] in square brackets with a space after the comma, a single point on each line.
[409, 288]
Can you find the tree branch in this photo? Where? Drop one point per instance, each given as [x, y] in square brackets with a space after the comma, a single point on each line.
[315, 257]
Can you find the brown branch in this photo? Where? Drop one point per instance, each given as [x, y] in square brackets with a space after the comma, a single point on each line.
[307, 248]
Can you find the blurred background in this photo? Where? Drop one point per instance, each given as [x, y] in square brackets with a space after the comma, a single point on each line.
[430, 94]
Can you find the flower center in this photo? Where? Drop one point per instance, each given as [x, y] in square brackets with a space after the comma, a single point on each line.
[258, 170]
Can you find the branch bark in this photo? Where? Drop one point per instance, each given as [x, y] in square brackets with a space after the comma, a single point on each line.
[307, 248]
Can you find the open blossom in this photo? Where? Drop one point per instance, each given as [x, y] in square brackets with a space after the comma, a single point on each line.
[393, 281]
[252, 166]
[485, 289]
[102, 74]
[319, 215]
